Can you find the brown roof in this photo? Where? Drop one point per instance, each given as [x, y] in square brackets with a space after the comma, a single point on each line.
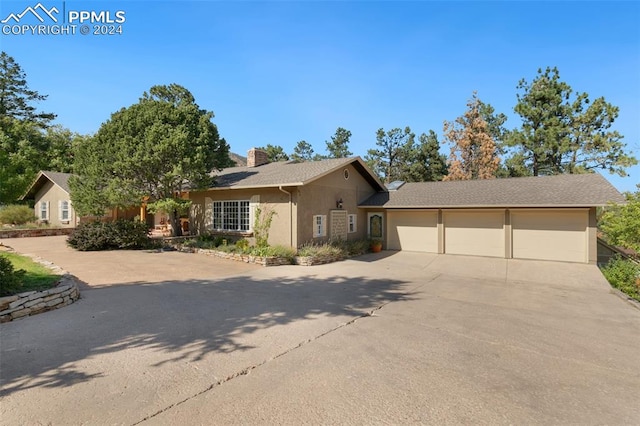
[60, 179]
[288, 173]
[584, 190]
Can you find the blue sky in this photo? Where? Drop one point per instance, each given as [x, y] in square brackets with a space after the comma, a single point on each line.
[280, 72]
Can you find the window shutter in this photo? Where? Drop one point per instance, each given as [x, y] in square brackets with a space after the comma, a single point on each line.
[208, 213]
[59, 210]
[48, 210]
[254, 202]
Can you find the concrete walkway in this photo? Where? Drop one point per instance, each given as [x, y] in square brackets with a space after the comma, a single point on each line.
[393, 338]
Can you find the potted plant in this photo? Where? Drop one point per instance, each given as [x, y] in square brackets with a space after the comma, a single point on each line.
[376, 245]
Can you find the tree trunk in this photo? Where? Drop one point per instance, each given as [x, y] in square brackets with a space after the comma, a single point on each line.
[176, 226]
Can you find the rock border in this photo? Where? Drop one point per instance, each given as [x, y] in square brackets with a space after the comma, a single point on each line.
[34, 232]
[30, 303]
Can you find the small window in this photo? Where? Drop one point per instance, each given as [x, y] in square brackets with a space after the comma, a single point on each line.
[353, 223]
[44, 210]
[346, 174]
[64, 211]
[319, 226]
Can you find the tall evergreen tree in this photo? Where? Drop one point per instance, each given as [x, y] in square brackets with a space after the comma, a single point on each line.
[156, 148]
[425, 163]
[474, 153]
[275, 153]
[16, 99]
[338, 147]
[563, 132]
[389, 160]
[303, 151]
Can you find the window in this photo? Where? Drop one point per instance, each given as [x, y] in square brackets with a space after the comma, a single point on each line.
[319, 226]
[231, 215]
[64, 211]
[44, 210]
[352, 223]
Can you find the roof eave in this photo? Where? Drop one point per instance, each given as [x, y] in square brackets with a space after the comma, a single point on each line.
[484, 206]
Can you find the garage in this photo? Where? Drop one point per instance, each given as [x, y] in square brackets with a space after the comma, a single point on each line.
[474, 232]
[550, 234]
[413, 230]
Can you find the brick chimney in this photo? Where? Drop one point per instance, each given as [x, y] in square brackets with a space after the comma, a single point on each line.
[256, 157]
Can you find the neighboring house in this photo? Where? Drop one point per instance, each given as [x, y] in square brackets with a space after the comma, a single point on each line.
[52, 202]
[50, 191]
[546, 218]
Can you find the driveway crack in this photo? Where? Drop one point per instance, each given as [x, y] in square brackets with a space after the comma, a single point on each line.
[246, 371]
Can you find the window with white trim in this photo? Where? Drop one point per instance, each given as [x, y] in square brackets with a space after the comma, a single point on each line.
[64, 211]
[231, 215]
[44, 210]
[319, 226]
[353, 223]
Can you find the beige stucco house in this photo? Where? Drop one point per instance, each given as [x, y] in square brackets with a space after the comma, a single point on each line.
[543, 217]
[546, 218]
[50, 191]
[312, 201]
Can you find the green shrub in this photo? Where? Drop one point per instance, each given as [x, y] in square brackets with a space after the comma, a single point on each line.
[273, 251]
[242, 245]
[119, 234]
[17, 215]
[11, 280]
[320, 250]
[623, 275]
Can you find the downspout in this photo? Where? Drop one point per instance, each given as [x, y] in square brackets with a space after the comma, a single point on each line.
[290, 215]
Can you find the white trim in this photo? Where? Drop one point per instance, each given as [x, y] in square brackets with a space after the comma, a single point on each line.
[352, 219]
[322, 231]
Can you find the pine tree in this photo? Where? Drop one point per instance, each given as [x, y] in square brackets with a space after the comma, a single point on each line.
[338, 147]
[473, 151]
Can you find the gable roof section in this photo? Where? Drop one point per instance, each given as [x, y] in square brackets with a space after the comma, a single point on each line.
[586, 190]
[289, 173]
[60, 179]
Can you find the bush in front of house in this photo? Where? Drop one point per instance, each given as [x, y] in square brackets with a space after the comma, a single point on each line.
[623, 275]
[119, 234]
[11, 280]
[15, 214]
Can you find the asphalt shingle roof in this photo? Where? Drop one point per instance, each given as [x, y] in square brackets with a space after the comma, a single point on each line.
[286, 173]
[584, 190]
[60, 179]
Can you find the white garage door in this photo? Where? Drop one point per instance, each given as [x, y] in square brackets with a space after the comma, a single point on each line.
[550, 235]
[476, 233]
[413, 231]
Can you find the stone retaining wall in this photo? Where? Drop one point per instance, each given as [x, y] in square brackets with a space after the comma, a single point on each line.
[35, 302]
[260, 260]
[37, 232]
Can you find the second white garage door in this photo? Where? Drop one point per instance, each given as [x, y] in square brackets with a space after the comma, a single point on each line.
[413, 231]
[476, 232]
[550, 234]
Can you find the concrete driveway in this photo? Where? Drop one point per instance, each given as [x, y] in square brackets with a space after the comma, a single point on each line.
[392, 338]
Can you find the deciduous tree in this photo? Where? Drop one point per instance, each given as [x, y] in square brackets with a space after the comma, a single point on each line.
[621, 223]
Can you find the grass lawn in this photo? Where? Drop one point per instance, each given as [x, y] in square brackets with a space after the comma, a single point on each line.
[37, 277]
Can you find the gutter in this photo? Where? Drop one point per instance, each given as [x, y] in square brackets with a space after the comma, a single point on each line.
[290, 215]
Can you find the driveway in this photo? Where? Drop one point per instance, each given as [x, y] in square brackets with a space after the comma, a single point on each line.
[390, 338]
